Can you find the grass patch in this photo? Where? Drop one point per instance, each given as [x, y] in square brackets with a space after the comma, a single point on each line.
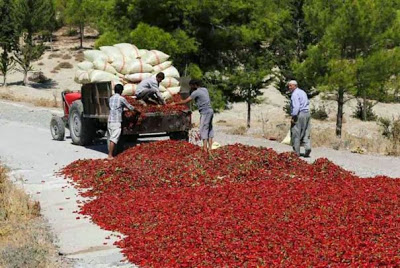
[64, 65]
[55, 55]
[79, 57]
[24, 238]
[66, 57]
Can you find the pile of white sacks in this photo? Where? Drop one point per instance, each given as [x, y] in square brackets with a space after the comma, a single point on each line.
[127, 65]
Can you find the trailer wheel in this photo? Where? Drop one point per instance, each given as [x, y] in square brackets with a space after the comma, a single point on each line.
[82, 129]
[57, 128]
[180, 135]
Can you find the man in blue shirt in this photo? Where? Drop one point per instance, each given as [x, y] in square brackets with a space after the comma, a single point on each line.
[300, 123]
[117, 103]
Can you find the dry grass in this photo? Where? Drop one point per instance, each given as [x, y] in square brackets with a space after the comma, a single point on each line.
[47, 103]
[240, 130]
[24, 238]
[42, 102]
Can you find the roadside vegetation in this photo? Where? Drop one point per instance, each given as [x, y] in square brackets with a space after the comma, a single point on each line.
[25, 240]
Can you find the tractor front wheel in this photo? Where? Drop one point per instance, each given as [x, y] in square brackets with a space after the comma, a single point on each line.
[57, 128]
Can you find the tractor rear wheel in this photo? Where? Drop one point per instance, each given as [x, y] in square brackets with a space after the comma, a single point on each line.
[82, 129]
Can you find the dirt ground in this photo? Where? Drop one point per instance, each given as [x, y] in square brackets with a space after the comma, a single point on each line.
[268, 118]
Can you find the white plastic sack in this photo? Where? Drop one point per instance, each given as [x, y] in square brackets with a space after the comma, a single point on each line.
[136, 78]
[129, 90]
[155, 57]
[170, 82]
[132, 67]
[162, 88]
[142, 52]
[171, 72]
[102, 76]
[160, 67]
[113, 53]
[92, 55]
[85, 65]
[129, 51]
[170, 92]
[82, 76]
[287, 139]
[104, 66]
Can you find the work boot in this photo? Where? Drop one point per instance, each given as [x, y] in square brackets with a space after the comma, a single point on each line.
[307, 153]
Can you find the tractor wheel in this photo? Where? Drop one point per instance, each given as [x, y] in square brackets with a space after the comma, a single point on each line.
[82, 130]
[180, 135]
[57, 128]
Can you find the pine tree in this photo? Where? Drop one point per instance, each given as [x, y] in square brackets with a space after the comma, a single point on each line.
[347, 37]
[35, 16]
[8, 37]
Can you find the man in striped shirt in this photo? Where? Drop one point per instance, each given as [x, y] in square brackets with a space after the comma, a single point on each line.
[117, 103]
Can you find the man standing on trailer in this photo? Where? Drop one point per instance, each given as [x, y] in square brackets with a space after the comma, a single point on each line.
[149, 89]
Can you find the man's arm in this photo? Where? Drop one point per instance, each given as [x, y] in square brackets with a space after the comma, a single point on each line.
[188, 99]
[127, 105]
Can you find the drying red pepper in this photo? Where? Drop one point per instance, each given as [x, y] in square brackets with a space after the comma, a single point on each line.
[245, 207]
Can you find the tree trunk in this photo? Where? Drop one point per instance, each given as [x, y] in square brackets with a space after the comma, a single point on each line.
[25, 78]
[364, 107]
[5, 80]
[81, 30]
[248, 113]
[339, 117]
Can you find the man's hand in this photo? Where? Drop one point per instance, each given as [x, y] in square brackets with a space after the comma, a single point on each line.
[172, 104]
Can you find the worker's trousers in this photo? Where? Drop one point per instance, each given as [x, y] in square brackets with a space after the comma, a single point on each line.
[301, 132]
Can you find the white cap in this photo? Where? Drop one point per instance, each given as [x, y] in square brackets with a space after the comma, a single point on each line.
[292, 82]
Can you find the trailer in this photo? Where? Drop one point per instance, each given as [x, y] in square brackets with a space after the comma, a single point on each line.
[86, 114]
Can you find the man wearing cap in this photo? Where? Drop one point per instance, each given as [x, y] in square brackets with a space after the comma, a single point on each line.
[300, 122]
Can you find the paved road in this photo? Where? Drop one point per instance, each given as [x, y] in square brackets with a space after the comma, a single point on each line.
[27, 148]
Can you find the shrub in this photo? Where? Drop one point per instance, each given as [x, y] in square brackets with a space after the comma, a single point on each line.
[391, 130]
[66, 57]
[65, 65]
[358, 113]
[319, 113]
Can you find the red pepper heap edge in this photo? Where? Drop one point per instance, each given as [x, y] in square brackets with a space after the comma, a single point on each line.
[245, 207]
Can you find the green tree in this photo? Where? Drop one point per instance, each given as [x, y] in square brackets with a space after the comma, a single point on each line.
[34, 16]
[8, 37]
[81, 13]
[347, 37]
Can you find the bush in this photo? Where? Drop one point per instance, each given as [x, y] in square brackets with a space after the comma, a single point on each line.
[287, 107]
[64, 65]
[358, 113]
[71, 32]
[319, 113]
[391, 130]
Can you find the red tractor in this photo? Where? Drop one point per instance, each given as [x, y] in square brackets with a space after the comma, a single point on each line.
[86, 114]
